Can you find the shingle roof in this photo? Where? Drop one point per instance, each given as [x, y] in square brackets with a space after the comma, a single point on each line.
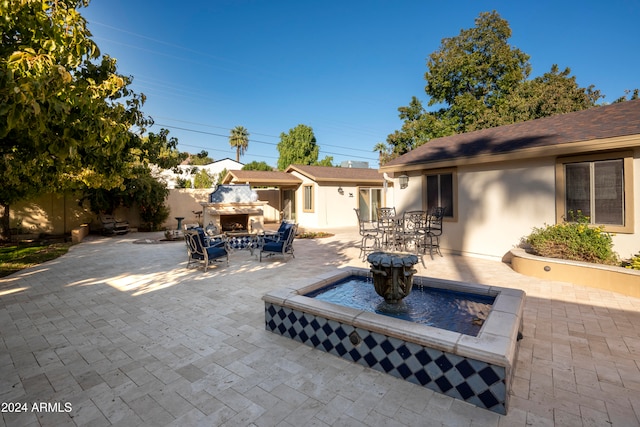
[316, 173]
[333, 174]
[262, 177]
[608, 121]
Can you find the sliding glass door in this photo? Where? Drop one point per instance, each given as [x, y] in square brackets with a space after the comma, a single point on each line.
[369, 200]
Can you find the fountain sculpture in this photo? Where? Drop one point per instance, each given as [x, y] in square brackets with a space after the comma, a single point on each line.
[392, 274]
[477, 369]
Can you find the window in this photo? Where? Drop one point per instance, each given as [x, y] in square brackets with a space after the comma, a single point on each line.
[307, 192]
[440, 192]
[599, 187]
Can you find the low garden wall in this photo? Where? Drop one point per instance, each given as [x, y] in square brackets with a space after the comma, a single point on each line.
[79, 233]
[617, 279]
[64, 214]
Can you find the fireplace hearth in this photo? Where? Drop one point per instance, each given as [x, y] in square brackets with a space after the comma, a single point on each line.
[233, 208]
[234, 222]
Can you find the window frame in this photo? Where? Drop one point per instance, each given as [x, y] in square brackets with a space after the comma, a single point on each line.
[309, 188]
[454, 190]
[628, 202]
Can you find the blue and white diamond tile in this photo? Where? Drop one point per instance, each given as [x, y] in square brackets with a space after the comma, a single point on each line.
[473, 381]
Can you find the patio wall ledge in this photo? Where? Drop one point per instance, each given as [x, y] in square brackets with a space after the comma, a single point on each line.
[617, 279]
[79, 233]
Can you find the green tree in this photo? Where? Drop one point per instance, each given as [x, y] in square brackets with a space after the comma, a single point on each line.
[384, 152]
[183, 183]
[555, 92]
[239, 138]
[149, 195]
[141, 190]
[634, 94]
[257, 166]
[297, 147]
[478, 80]
[419, 127]
[68, 120]
[202, 158]
[159, 149]
[221, 175]
[327, 161]
[202, 179]
[478, 64]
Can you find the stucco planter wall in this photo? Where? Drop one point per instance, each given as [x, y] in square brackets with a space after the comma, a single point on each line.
[79, 233]
[616, 279]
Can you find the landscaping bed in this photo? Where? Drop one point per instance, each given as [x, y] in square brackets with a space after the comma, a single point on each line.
[612, 278]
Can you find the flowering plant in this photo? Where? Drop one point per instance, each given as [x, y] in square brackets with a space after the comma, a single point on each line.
[575, 240]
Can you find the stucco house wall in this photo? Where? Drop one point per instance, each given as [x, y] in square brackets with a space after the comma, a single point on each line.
[339, 207]
[497, 205]
[302, 217]
[508, 180]
[335, 194]
[331, 208]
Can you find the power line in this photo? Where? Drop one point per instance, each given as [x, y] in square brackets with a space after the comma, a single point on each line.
[229, 152]
[189, 94]
[253, 133]
[213, 126]
[252, 140]
[237, 67]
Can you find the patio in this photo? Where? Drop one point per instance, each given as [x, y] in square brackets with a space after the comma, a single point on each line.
[128, 336]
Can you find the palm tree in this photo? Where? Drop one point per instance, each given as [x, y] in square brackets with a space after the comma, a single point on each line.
[382, 150]
[239, 138]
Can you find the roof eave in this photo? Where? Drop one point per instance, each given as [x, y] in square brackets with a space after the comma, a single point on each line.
[596, 145]
[264, 181]
[343, 180]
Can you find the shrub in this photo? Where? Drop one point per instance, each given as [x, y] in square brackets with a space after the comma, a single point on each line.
[575, 240]
[141, 190]
[149, 195]
[202, 179]
[183, 183]
[633, 263]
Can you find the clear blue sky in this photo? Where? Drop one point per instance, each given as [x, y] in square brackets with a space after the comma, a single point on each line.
[341, 67]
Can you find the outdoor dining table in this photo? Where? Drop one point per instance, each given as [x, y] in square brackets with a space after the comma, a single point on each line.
[413, 229]
[404, 229]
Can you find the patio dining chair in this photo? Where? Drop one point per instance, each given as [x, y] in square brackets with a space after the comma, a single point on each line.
[386, 225]
[414, 230]
[280, 243]
[434, 231]
[369, 233]
[203, 249]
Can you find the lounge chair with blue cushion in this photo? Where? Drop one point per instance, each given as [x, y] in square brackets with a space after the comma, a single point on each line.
[280, 243]
[273, 235]
[201, 248]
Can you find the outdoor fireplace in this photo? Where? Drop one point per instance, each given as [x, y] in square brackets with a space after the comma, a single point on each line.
[234, 222]
[233, 208]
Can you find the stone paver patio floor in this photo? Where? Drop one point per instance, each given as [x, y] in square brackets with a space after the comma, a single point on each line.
[117, 333]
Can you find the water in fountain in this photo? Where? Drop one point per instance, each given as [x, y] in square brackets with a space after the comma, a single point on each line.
[455, 311]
